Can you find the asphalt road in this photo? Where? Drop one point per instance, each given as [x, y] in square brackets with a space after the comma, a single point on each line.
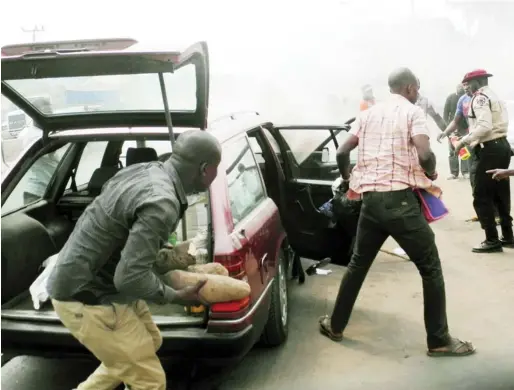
[384, 346]
[384, 342]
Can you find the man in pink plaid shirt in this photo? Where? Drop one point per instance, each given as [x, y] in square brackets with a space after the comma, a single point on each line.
[394, 157]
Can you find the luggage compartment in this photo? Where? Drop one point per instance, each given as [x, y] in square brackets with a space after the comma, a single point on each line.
[17, 302]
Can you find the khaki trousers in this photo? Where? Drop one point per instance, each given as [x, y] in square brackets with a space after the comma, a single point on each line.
[123, 337]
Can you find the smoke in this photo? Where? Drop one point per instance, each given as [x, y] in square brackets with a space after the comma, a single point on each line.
[313, 69]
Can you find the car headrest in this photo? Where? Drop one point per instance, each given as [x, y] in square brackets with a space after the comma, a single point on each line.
[99, 178]
[140, 155]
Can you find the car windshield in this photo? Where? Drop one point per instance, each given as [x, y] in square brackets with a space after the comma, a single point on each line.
[134, 92]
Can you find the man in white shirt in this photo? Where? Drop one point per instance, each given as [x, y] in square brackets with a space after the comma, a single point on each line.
[488, 124]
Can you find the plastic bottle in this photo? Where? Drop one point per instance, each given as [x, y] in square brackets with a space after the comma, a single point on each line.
[172, 239]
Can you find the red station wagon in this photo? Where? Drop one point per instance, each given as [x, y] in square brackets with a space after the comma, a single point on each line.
[271, 181]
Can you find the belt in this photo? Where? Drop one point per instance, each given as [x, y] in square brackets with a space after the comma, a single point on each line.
[372, 193]
[493, 141]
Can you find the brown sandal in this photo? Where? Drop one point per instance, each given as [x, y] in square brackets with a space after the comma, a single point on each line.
[326, 330]
[455, 348]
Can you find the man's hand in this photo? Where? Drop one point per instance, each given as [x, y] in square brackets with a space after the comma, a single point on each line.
[344, 186]
[432, 176]
[500, 174]
[191, 295]
[458, 146]
[441, 136]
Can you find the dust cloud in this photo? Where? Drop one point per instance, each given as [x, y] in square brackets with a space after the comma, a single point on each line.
[312, 71]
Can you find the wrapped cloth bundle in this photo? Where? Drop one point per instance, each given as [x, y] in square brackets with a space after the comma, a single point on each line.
[219, 288]
[174, 258]
[177, 268]
[209, 268]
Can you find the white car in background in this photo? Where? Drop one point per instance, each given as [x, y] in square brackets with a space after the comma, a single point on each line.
[28, 135]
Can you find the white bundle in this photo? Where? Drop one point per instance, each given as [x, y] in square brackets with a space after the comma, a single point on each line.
[37, 289]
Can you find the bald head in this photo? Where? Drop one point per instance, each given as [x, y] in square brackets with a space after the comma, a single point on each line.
[196, 156]
[404, 82]
[197, 146]
[400, 78]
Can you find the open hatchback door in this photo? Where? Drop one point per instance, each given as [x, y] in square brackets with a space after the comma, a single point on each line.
[92, 85]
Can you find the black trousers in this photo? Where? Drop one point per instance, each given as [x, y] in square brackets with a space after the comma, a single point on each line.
[454, 160]
[397, 214]
[489, 194]
[473, 160]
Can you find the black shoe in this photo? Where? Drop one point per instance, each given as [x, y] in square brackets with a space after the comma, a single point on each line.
[507, 242]
[488, 247]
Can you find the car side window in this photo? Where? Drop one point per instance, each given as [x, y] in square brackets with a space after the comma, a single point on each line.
[197, 219]
[34, 184]
[91, 159]
[245, 187]
[257, 150]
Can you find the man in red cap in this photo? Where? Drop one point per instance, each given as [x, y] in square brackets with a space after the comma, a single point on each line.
[488, 127]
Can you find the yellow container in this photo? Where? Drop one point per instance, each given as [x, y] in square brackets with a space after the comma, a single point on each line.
[195, 310]
[464, 153]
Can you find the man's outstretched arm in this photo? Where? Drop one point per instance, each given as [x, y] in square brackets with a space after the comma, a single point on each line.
[500, 174]
[343, 155]
[452, 126]
[436, 117]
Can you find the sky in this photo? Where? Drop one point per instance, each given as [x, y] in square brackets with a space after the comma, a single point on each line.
[266, 51]
[227, 25]
[192, 18]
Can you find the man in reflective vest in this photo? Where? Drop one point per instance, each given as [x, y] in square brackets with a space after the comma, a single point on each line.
[488, 127]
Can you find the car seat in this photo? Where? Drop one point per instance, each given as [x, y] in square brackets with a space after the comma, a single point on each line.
[99, 178]
[140, 155]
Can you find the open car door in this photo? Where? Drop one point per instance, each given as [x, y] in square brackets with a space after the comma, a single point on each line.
[308, 158]
[92, 86]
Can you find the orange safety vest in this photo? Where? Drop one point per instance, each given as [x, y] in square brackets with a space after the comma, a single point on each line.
[365, 104]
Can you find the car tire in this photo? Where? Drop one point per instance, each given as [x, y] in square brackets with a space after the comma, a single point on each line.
[276, 329]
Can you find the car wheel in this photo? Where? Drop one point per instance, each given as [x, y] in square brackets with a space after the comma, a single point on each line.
[276, 329]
